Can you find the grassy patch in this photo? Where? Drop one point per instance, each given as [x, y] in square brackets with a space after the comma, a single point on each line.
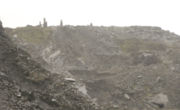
[33, 35]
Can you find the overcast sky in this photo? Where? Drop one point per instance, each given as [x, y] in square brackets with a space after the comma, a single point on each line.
[163, 13]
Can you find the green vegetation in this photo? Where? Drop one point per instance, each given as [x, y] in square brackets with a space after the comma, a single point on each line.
[33, 35]
[134, 45]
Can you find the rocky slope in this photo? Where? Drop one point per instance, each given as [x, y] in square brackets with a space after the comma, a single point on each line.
[124, 68]
[25, 85]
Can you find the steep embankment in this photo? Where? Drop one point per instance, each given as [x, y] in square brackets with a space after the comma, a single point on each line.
[127, 68]
[25, 85]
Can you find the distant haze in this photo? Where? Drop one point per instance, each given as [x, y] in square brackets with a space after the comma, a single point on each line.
[163, 13]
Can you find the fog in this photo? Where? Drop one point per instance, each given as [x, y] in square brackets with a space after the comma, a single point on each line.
[163, 13]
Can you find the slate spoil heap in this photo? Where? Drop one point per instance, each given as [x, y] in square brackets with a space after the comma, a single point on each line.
[25, 85]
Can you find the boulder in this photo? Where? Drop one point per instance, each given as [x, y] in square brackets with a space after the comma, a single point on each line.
[160, 100]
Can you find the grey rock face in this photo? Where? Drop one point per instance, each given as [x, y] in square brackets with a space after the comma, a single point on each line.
[112, 61]
[26, 85]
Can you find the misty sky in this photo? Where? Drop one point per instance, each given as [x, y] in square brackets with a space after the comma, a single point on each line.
[163, 13]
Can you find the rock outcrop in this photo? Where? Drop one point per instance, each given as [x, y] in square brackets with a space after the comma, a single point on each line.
[26, 85]
[122, 67]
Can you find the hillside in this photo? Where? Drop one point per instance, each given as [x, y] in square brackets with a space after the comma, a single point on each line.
[124, 68]
[26, 85]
